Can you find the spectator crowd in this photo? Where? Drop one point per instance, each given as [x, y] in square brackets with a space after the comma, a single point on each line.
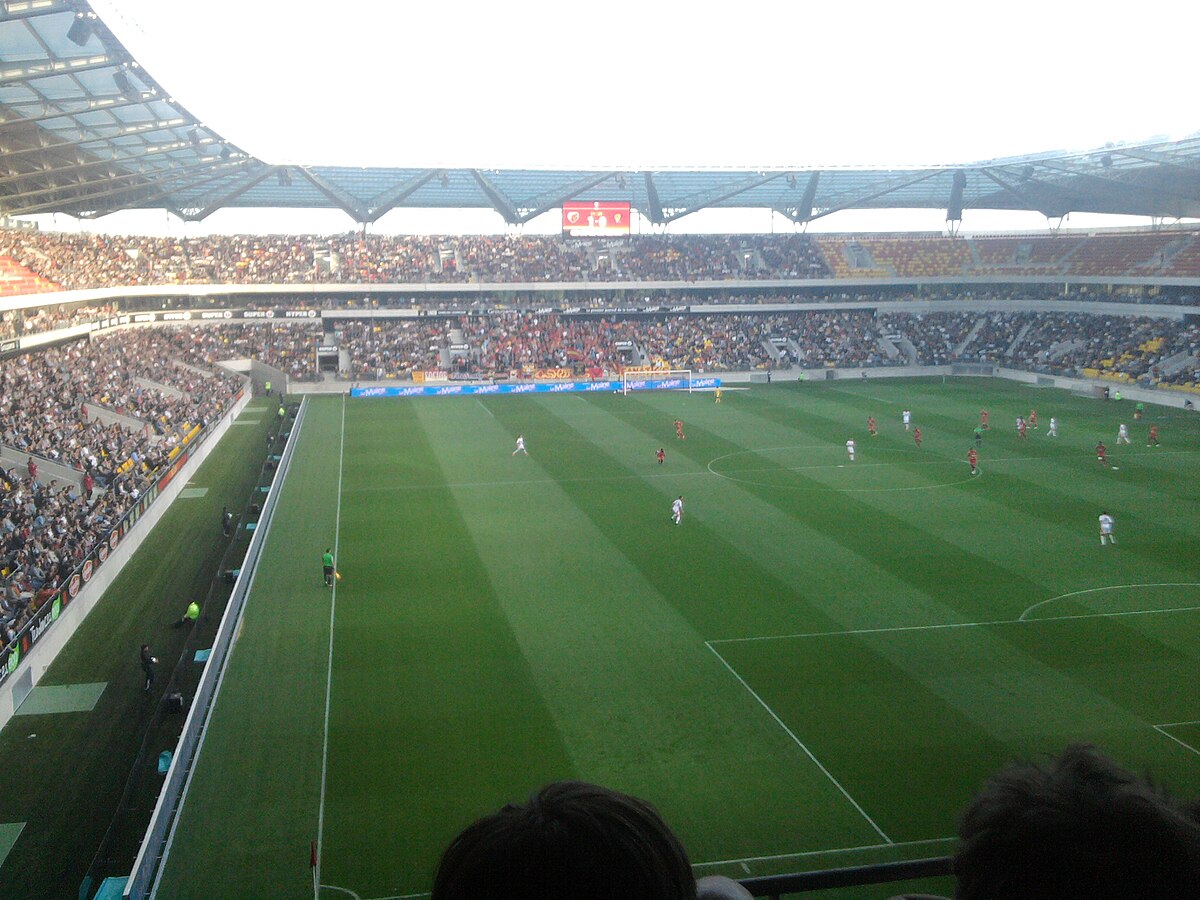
[114, 410]
[84, 260]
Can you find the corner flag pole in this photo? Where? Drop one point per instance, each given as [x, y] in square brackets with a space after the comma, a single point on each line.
[312, 864]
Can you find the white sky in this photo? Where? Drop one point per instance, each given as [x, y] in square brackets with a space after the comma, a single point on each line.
[534, 83]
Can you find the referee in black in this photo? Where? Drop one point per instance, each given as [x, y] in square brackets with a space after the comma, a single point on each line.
[148, 664]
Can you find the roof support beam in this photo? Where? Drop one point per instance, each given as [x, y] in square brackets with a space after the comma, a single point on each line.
[335, 195]
[654, 212]
[858, 198]
[547, 201]
[1157, 157]
[65, 109]
[121, 152]
[143, 181]
[383, 203]
[1025, 197]
[32, 71]
[224, 199]
[121, 162]
[499, 202]
[711, 198]
[26, 9]
[802, 212]
[1137, 194]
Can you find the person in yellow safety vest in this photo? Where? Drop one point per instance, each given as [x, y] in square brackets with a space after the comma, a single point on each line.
[189, 617]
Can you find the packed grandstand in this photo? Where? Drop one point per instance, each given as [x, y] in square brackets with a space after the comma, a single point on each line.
[118, 423]
[120, 354]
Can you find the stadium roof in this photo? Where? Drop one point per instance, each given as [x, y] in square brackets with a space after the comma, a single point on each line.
[84, 130]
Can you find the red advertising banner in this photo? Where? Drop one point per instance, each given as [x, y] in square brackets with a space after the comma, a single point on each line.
[595, 218]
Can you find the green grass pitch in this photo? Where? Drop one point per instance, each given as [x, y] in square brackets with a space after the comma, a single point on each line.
[817, 668]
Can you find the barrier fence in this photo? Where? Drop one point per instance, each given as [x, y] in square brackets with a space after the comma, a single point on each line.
[156, 843]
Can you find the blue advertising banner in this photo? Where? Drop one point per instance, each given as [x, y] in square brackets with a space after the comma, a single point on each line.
[559, 387]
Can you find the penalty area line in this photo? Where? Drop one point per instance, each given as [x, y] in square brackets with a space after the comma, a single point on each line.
[799, 743]
[1162, 729]
[942, 626]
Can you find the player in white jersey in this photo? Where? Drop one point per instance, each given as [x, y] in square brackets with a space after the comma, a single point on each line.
[850, 449]
[1106, 529]
[677, 510]
[1122, 434]
[520, 445]
[907, 417]
[1053, 432]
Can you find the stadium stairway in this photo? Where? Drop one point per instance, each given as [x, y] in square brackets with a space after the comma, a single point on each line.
[1016, 342]
[1185, 359]
[887, 344]
[110, 416]
[47, 468]
[966, 342]
[161, 388]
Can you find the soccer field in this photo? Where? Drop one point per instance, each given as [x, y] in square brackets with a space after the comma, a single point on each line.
[816, 669]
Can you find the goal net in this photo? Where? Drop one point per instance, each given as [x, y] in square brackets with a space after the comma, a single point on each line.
[656, 380]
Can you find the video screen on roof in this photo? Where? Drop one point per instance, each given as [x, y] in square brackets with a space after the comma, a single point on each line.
[595, 218]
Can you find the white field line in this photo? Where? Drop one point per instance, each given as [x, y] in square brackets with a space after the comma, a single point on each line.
[806, 853]
[799, 743]
[1162, 729]
[337, 529]
[485, 409]
[854, 631]
[1115, 587]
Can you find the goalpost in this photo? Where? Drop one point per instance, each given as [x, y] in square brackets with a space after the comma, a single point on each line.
[656, 380]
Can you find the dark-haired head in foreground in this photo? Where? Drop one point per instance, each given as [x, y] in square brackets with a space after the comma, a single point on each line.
[571, 841]
[1077, 828]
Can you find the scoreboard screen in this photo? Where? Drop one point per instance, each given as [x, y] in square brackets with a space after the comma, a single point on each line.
[595, 218]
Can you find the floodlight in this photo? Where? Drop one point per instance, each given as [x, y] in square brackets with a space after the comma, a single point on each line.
[125, 86]
[80, 31]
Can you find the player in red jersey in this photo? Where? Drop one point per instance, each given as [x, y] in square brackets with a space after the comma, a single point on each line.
[1021, 428]
[983, 419]
[679, 430]
[917, 436]
[1101, 453]
[1152, 439]
[973, 459]
[1033, 418]
[661, 456]
[871, 426]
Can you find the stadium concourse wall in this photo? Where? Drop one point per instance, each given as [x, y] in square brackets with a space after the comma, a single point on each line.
[48, 632]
